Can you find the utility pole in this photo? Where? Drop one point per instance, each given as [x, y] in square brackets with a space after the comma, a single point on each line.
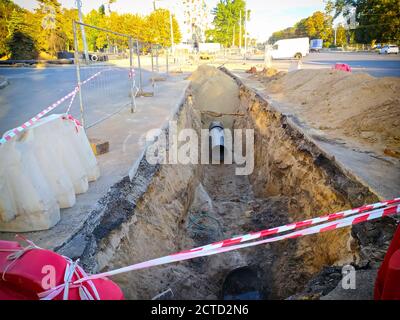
[85, 48]
[240, 31]
[170, 23]
[245, 34]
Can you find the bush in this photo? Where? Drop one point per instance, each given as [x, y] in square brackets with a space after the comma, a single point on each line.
[21, 46]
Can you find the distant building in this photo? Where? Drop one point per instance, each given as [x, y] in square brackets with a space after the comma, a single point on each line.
[194, 20]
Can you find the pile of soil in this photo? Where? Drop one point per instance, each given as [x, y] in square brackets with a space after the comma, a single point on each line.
[267, 75]
[215, 91]
[352, 107]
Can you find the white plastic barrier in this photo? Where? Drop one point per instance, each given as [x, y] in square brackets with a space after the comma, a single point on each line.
[41, 170]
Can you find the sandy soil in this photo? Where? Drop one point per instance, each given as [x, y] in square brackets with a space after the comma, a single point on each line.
[356, 108]
[214, 91]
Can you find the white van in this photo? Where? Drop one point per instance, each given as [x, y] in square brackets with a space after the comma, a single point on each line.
[291, 48]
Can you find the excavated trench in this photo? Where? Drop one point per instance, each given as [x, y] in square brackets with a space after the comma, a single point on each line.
[172, 207]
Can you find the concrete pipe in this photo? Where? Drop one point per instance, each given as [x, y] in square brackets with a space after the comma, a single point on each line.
[217, 141]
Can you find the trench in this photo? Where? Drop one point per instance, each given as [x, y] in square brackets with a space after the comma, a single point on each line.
[180, 206]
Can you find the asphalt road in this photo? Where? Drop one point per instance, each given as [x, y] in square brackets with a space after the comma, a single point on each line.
[31, 90]
[372, 63]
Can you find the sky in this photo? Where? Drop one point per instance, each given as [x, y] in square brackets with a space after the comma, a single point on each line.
[267, 16]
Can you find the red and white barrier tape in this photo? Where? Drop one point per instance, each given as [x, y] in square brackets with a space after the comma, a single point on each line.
[12, 133]
[75, 121]
[72, 99]
[358, 215]
[72, 268]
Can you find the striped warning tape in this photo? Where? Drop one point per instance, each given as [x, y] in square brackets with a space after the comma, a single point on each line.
[12, 133]
[348, 218]
[295, 225]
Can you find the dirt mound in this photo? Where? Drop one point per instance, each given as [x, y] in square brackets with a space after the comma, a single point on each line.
[215, 91]
[252, 70]
[358, 107]
[267, 75]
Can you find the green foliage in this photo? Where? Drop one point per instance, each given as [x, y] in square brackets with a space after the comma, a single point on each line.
[6, 9]
[227, 22]
[19, 44]
[49, 29]
[341, 36]
[95, 39]
[378, 20]
[102, 10]
[317, 26]
[158, 28]
[66, 17]
[50, 32]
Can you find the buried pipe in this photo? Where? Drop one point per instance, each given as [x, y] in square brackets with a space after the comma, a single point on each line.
[242, 283]
[217, 141]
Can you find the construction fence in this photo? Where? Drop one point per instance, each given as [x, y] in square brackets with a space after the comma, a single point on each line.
[111, 78]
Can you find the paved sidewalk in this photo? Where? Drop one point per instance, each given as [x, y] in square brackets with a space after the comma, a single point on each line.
[125, 132]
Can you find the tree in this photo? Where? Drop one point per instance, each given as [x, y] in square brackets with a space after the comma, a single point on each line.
[227, 21]
[102, 10]
[319, 26]
[377, 20]
[134, 25]
[66, 18]
[48, 29]
[51, 37]
[341, 36]
[95, 38]
[158, 28]
[19, 43]
[6, 9]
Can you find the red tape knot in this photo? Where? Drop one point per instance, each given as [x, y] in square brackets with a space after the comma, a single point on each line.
[75, 121]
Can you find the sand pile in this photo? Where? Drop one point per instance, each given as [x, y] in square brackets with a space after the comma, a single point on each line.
[267, 75]
[357, 107]
[215, 91]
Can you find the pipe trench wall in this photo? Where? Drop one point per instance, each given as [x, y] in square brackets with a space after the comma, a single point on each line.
[156, 227]
[147, 217]
[288, 164]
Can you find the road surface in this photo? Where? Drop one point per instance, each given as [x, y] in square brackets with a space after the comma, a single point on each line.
[31, 90]
[372, 63]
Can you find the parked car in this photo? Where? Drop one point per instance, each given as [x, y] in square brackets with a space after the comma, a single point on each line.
[388, 49]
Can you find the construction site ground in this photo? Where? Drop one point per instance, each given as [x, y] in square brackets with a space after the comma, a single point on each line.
[167, 198]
